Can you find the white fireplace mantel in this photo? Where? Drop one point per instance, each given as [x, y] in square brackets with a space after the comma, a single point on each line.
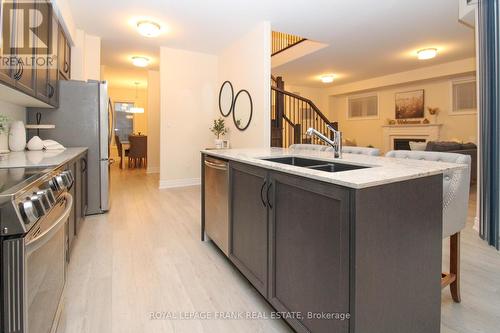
[429, 132]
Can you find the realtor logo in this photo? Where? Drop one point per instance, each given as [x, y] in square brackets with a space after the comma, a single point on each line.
[26, 30]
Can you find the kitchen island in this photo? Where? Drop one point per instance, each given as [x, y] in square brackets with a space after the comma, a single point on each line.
[355, 248]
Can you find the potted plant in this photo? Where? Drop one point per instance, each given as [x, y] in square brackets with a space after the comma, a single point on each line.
[4, 133]
[219, 129]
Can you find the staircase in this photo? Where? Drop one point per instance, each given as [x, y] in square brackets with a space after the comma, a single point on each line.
[282, 41]
[292, 115]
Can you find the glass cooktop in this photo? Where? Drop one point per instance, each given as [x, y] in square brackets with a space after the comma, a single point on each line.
[15, 179]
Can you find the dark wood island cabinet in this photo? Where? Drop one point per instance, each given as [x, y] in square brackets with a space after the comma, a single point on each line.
[346, 259]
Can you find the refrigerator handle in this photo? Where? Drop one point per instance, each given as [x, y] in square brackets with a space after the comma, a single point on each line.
[112, 121]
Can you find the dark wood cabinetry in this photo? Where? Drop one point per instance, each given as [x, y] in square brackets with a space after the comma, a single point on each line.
[309, 251]
[64, 56]
[29, 73]
[78, 191]
[248, 247]
[338, 259]
[42, 72]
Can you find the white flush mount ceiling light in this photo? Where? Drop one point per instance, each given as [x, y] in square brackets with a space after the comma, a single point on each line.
[327, 78]
[148, 28]
[140, 61]
[426, 54]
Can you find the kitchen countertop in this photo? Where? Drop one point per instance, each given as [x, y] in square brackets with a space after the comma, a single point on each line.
[382, 170]
[43, 158]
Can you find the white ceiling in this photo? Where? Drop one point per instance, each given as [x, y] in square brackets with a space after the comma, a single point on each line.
[367, 38]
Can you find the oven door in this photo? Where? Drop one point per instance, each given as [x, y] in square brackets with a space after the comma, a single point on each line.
[45, 248]
[34, 273]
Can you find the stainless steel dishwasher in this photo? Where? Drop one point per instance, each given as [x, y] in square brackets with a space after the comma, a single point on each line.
[217, 202]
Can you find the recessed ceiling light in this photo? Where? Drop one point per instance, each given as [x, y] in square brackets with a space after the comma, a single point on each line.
[140, 61]
[425, 54]
[148, 28]
[327, 78]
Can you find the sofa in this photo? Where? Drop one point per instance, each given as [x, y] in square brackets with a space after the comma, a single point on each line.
[459, 148]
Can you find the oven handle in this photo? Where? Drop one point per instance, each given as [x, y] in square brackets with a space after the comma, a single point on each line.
[41, 239]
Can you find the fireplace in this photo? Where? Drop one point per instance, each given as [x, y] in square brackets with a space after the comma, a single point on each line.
[409, 132]
[404, 144]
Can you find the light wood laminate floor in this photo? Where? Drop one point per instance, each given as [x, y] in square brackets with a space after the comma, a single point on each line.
[145, 256]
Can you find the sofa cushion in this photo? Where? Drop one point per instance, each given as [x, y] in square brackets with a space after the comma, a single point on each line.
[443, 146]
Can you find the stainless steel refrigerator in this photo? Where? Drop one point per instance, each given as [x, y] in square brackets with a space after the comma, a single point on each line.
[84, 118]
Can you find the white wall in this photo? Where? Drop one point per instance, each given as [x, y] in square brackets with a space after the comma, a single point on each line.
[86, 57]
[437, 94]
[317, 95]
[247, 64]
[188, 95]
[153, 122]
[189, 88]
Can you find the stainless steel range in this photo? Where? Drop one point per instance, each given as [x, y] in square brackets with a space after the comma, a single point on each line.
[34, 209]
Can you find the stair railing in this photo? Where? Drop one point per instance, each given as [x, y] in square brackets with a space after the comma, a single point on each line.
[292, 115]
[282, 41]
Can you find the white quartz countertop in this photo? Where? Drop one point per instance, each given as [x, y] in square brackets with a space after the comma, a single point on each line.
[383, 170]
[43, 158]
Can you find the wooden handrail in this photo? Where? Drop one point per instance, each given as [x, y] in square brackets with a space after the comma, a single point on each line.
[289, 46]
[282, 41]
[305, 100]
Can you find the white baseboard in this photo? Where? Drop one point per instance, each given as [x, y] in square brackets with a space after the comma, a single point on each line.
[153, 170]
[166, 184]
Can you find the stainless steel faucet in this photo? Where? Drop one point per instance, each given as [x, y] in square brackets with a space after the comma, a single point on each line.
[336, 143]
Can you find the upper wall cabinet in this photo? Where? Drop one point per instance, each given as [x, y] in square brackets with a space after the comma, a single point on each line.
[64, 58]
[33, 60]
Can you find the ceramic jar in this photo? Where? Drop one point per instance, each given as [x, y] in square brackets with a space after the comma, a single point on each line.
[17, 136]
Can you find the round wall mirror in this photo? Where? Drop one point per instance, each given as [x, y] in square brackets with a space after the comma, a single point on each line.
[226, 98]
[242, 110]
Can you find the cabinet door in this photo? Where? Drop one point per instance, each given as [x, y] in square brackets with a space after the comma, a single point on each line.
[7, 34]
[25, 71]
[72, 216]
[309, 251]
[78, 195]
[67, 60]
[42, 72]
[249, 223]
[61, 49]
[64, 55]
[53, 86]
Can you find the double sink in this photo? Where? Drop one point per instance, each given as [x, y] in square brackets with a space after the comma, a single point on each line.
[315, 164]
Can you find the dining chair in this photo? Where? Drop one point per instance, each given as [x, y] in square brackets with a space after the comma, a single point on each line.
[138, 154]
[120, 147]
[456, 186]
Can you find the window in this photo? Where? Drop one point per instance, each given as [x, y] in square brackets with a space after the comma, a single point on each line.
[124, 121]
[464, 96]
[363, 107]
